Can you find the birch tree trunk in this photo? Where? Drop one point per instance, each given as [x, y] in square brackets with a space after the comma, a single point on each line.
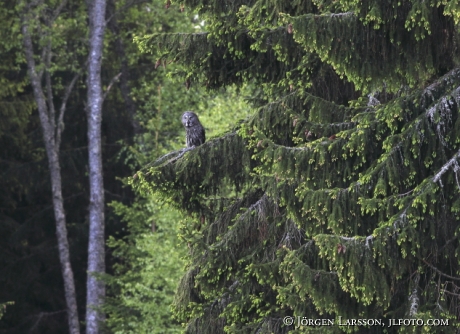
[52, 128]
[96, 253]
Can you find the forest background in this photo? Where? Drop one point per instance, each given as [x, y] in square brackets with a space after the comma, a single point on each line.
[328, 186]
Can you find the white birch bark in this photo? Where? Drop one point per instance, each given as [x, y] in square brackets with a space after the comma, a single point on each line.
[95, 289]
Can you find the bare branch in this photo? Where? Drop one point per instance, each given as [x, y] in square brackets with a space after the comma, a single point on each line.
[114, 79]
[34, 3]
[49, 90]
[440, 272]
[451, 293]
[42, 69]
[34, 77]
[41, 315]
[446, 166]
[60, 124]
[58, 10]
[447, 243]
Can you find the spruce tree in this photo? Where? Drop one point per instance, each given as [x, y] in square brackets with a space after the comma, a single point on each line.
[339, 197]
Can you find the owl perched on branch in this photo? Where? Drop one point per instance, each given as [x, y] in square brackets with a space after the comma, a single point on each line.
[194, 131]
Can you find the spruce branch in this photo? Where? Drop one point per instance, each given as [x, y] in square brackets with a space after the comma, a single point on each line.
[176, 155]
[323, 15]
[446, 167]
[406, 194]
[368, 239]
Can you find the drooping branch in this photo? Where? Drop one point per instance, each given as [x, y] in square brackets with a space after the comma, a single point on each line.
[446, 167]
[439, 271]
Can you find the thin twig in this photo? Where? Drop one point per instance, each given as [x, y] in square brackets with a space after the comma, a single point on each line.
[439, 271]
[40, 316]
[451, 293]
[405, 194]
[447, 243]
[114, 79]
[58, 10]
[60, 124]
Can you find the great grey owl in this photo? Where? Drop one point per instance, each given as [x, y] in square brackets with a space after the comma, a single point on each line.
[194, 131]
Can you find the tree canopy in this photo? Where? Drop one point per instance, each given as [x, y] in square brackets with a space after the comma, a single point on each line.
[338, 198]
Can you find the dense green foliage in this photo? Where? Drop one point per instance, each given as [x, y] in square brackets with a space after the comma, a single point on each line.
[149, 265]
[141, 103]
[150, 258]
[338, 197]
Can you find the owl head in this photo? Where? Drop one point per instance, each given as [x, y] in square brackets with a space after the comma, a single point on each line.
[189, 119]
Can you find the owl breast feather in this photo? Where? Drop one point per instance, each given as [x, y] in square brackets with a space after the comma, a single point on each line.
[195, 136]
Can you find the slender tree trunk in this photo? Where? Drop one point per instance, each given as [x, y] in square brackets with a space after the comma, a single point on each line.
[96, 253]
[124, 68]
[51, 137]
